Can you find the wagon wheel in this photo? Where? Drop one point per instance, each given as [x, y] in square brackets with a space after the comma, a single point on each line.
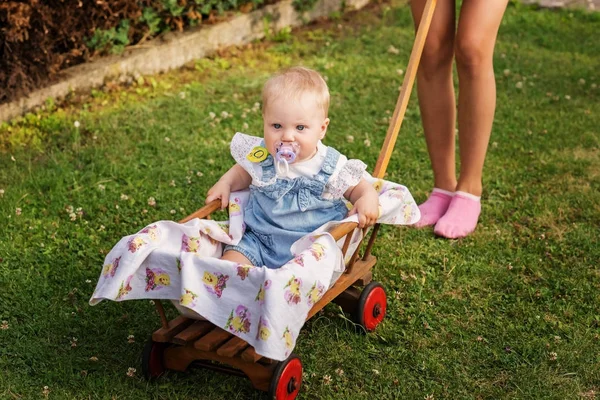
[371, 307]
[152, 359]
[286, 380]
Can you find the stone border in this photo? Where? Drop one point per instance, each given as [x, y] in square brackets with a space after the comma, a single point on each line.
[161, 55]
[590, 5]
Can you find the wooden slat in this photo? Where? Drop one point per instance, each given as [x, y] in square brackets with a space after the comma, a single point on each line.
[179, 358]
[371, 241]
[249, 355]
[161, 312]
[232, 347]
[175, 326]
[346, 244]
[212, 339]
[193, 332]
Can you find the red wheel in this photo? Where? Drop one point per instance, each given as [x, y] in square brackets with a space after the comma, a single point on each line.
[152, 359]
[286, 380]
[371, 307]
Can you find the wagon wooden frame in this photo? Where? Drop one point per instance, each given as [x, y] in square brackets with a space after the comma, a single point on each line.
[180, 342]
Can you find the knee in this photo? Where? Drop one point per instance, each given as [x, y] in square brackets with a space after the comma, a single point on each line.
[472, 59]
[436, 58]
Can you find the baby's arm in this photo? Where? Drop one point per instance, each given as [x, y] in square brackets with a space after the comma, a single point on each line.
[366, 203]
[235, 179]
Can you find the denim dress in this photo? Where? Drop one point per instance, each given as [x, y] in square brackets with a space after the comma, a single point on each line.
[280, 213]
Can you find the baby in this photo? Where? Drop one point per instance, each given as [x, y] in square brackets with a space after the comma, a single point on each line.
[296, 183]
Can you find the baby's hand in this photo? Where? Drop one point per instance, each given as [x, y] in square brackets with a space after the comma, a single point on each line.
[367, 208]
[220, 190]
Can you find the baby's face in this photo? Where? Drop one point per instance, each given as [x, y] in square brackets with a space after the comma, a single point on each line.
[295, 120]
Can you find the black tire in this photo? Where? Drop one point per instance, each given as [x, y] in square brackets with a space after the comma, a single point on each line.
[152, 359]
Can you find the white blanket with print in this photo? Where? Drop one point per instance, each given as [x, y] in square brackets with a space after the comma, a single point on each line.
[265, 307]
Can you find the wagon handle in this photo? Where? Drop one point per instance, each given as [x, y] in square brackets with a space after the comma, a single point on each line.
[407, 84]
[394, 128]
[204, 211]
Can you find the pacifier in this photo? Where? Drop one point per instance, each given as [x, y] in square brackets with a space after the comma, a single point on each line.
[285, 154]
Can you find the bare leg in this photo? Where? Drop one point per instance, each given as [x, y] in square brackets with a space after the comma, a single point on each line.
[475, 39]
[236, 256]
[436, 101]
[436, 91]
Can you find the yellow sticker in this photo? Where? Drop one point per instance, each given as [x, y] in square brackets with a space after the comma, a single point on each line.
[257, 154]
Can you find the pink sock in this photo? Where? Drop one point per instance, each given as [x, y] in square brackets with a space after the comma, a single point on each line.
[435, 206]
[461, 217]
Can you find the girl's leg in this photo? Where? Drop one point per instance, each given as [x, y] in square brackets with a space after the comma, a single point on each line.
[475, 39]
[436, 102]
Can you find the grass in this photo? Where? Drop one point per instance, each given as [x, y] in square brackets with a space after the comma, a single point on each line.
[509, 312]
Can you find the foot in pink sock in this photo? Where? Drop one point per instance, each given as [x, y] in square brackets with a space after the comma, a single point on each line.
[435, 206]
[461, 217]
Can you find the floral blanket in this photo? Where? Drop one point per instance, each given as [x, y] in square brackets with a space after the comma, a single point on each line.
[265, 307]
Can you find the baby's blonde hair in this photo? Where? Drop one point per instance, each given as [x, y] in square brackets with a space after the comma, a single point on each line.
[294, 82]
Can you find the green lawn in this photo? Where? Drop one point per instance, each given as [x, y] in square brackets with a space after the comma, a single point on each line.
[510, 312]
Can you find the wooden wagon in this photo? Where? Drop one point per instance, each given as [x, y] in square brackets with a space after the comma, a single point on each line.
[184, 341]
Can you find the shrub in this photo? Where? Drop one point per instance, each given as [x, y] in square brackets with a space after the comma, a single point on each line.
[39, 38]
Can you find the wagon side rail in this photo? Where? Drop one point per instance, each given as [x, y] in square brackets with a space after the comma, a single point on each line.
[204, 212]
